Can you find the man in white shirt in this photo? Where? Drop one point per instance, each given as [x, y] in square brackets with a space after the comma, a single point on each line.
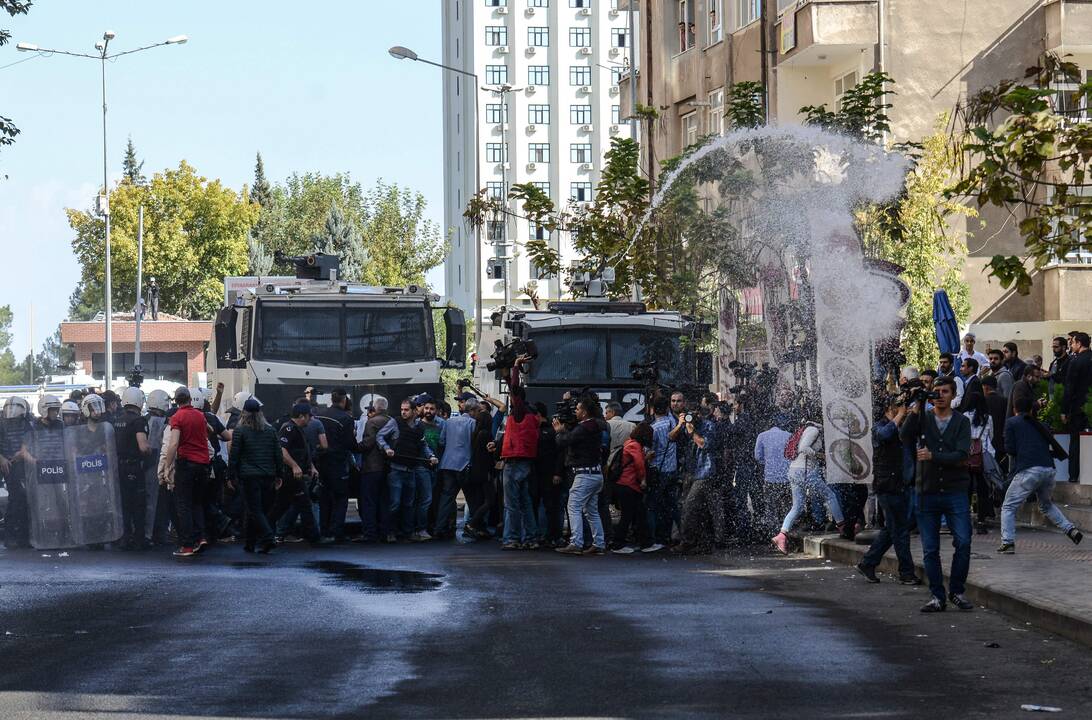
[968, 351]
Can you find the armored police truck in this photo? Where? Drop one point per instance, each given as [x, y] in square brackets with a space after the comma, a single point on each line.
[277, 338]
[617, 349]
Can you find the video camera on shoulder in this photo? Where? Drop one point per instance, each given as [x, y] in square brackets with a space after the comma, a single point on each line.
[505, 354]
[648, 373]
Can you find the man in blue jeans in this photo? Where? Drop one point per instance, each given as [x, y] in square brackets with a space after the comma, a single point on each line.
[409, 481]
[943, 440]
[1028, 446]
[893, 496]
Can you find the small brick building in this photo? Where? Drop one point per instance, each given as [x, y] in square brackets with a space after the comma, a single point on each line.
[170, 348]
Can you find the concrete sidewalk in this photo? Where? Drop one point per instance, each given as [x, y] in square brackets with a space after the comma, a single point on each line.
[1047, 582]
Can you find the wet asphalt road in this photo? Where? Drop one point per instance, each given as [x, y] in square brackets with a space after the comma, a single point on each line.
[469, 631]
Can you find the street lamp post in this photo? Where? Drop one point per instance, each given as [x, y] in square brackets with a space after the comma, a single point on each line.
[102, 56]
[403, 53]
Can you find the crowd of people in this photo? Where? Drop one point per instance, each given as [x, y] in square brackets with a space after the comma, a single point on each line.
[699, 472]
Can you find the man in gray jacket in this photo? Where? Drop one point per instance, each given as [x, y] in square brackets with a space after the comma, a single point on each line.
[373, 471]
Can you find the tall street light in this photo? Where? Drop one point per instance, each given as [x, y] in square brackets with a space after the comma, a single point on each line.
[403, 53]
[102, 55]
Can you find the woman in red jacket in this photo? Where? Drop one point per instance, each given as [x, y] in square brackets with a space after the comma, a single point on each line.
[629, 492]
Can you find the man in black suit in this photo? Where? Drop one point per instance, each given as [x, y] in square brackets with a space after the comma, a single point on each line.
[1078, 380]
[972, 385]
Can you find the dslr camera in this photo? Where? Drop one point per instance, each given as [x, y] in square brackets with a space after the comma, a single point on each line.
[505, 354]
[914, 391]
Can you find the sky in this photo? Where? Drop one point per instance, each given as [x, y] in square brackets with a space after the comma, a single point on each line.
[309, 85]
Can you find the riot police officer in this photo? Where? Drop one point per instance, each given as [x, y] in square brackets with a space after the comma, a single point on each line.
[70, 413]
[131, 436]
[14, 435]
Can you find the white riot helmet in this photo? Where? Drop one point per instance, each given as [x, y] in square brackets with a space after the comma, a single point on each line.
[93, 407]
[159, 400]
[132, 396]
[47, 403]
[69, 408]
[16, 407]
[239, 399]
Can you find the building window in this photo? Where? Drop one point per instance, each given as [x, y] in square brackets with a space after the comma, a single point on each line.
[579, 37]
[495, 190]
[538, 232]
[538, 3]
[1069, 101]
[579, 3]
[689, 129]
[538, 74]
[496, 35]
[580, 114]
[619, 37]
[747, 12]
[496, 74]
[842, 85]
[538, 36]
[684, 20]
[579, 75]
[496, 113]
[494, 231]
[580, 153]
[716, 112]
[538, 152]
[580, 192]
[156, 365]
[716, 27]
[538, 114]
[616, 75]
[496, 3]
[615, 114]
[496, 152]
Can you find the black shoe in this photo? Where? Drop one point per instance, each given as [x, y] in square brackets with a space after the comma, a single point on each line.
[868, 571]
[1075, 535]
[1007, 548]
[982, 530]
[267, 549]
[960, 602]
[933, 606]
[909, 580]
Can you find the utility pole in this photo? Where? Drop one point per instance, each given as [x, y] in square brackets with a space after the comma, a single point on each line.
[503, 91]
[138, 311]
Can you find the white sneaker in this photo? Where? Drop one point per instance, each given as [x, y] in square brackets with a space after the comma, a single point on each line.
[421, 536]
[625, 550]
[655, 547]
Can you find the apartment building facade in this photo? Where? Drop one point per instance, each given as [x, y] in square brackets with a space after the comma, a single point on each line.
[809, 52]
[544, 110]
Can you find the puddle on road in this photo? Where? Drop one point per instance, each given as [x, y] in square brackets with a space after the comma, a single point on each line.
[376, 580]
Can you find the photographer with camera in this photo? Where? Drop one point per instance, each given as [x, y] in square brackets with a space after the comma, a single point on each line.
[706, 498]
[943, 439]
[584, 444]
[519, 449]
[892, 494]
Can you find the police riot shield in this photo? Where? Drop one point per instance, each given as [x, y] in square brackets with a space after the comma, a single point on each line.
[95, 507]
[156, 427]
[48, 480]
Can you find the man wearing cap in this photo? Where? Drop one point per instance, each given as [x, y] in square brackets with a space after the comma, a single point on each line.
[300, 469]
[184, 467]
[968, 351]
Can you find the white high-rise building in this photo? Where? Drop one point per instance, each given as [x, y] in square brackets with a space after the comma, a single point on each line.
[562, 60]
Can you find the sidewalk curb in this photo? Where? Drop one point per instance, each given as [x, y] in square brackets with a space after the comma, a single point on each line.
[1044, 615]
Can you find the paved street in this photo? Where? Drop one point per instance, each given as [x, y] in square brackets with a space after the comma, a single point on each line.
[470, 631]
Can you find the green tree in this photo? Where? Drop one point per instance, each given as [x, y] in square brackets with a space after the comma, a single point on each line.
[9, 369]
[914, 233]
[55, 357]
[8, 131]
[195, 234]
[744, 107]
[259, 256]
[400, 243]
[342, 239]
[130, 168]
[1023, 150]
[863, 111]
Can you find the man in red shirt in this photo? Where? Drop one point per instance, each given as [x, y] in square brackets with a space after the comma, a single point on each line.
[519, 450]
[187, 454]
